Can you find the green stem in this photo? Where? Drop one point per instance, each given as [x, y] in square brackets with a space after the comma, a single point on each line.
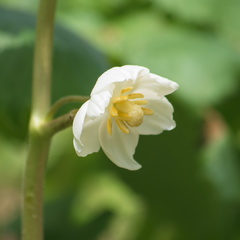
[42, 67]
[65, 100]
[33, 179]
[32, 219]
[60, 123]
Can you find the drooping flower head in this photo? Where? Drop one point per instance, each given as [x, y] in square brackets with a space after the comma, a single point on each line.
[125, 102]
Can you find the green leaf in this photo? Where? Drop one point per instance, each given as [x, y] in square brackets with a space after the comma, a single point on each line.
[215, 13]
[228, 22]
[60, 225]
[223, 17]
[220, 166]
[203, 11]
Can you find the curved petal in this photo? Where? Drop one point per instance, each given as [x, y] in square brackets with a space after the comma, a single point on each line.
[118, 75]
[167, 85]
[79, 120]
[85, 131]
[119, 147]
[136, 71]
[153, 86]
[162, 118]
[106, 80]
[98, 103]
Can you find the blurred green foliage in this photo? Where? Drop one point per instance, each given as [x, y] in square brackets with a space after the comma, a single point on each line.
[189, 186]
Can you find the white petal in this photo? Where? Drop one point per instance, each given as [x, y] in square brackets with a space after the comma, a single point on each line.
[115, 75]
[107, 80]
[81, 151]
[85, 130]
[153, 86]
[79, 120]
[135, 71]
[141, 75]
[98, 103]
[119, 147]
[167, 86]
[162, 119]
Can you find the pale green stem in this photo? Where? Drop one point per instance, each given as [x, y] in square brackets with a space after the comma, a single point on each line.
[33, 180]
[42, 68]
[59, 123]
[69, 99]
[32, 212]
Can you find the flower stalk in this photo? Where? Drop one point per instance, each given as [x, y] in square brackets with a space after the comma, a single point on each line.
[63, 101]
[60, 123]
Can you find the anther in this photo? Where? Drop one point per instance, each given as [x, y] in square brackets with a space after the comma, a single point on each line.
[109, 125]
[147, 111]
[140, 102]
[135, 95]
[128, 89]
[124, 115]
[120, 99]
[122, 125]
[113, 111]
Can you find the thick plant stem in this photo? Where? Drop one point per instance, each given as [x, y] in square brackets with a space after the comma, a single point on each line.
[42, 67]
[39, 140]
[32, 219]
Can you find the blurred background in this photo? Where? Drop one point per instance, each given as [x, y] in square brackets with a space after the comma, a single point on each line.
[189, 186]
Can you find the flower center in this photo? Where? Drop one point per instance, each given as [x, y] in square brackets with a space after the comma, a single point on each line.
[127, 111]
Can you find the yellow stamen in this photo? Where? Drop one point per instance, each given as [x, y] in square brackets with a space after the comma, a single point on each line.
[135, 95]
[140, 102]
[147, 111]
[124, 115]
[127, 111]
[125, 119]
[113, 111]
[122, 125]
[109, 126]
[120, 99]
[128, 89]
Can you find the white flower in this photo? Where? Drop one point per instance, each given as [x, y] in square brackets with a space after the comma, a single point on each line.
[125, 102]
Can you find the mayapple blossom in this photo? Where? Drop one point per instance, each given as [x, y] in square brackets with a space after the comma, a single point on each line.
[125, 102]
